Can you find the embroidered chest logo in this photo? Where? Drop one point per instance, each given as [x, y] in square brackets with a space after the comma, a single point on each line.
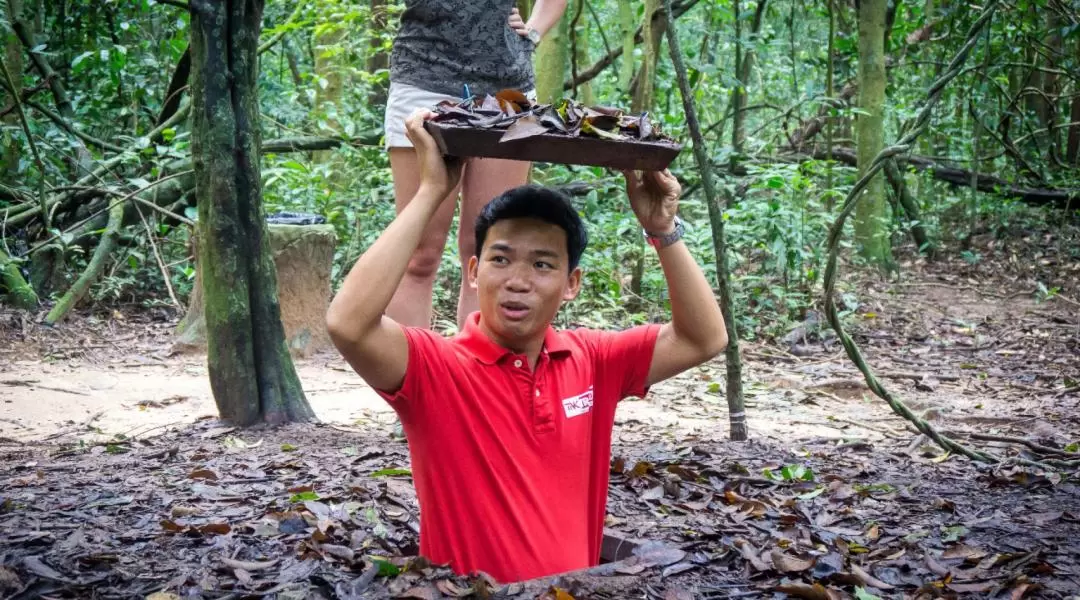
[578, 405]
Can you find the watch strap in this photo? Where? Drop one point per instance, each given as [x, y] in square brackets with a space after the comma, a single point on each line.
[663, 241]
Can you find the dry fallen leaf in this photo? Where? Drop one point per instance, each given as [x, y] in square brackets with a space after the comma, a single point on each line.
[248, 565]
[805, 591]
[869, 579]
[789, 564]
[206, 474]
[964, 551]
[751, 554]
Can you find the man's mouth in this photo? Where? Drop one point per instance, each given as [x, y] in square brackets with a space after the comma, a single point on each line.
[514, 311]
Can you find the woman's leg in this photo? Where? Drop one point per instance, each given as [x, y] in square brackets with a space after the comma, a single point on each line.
[411, 304]
[484, 178]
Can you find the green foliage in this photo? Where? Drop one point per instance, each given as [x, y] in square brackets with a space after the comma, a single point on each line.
[115, 59]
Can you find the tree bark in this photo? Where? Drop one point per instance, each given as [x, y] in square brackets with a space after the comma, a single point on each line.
[251, 374]
[626, 26]
[93, 269]
[871, 234]
[550, 61]
[653, 33]
[911, 208]
[744, 61]
[13, 58]
[380, 58]
[733, 359]
[17, 292]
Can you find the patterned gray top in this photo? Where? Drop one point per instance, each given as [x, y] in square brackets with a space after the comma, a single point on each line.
[444, 44]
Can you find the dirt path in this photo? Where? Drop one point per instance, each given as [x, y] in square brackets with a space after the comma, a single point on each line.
[116, 481]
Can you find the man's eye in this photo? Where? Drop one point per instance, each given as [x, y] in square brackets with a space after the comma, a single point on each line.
[501, 260]
[544, 265]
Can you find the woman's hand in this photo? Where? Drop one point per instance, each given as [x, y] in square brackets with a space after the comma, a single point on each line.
[518, 24]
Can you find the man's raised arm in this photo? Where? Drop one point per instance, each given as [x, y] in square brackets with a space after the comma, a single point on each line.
[696, 332]
[371, 342]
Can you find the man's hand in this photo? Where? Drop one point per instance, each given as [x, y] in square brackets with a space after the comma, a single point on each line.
[438, 175]
[654, 196]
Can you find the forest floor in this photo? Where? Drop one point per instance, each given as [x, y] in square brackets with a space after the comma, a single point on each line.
[116, 481]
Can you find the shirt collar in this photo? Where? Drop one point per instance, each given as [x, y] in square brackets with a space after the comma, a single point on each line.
[489, 352]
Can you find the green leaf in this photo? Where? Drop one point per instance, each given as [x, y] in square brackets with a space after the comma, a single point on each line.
[386, 568]
[304, 497]
[714, 388]
[862, 594]
[391, 473]
[1073, 447]
[954, 533]
[288, 448]
[811, 494]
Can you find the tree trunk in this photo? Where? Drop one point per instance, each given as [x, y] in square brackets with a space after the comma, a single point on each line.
[16, 291]
[550, 61]
[626, 26]
[653, 33]
[93, 269]
[581, 52]
[744, 61]
[13, 58]
[733, 359]
[380, 58]
[871, 233]
[251, 374]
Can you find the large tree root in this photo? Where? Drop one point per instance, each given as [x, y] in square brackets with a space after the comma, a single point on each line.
[93, 270]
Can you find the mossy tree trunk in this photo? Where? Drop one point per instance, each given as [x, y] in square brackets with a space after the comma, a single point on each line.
[13, 58]
[551, 60]
[13, 286]
[627, 29]
[871, 233]
[251, 374]
[652, 31]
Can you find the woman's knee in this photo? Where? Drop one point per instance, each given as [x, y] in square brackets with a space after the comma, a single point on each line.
[424, 263]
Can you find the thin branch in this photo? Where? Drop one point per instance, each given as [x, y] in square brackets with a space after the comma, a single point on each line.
[157, 256]
[598, 67]
[62, 123]
[110, 207]
[10, 85]
[599, 25]
[270, 43]
[177, 3]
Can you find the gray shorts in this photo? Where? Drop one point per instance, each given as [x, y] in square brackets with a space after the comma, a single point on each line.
[403, 100]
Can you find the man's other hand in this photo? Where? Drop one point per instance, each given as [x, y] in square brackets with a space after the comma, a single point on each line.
[654, 196]
[438, 175]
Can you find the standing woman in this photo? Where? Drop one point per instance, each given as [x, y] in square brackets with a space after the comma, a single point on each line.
[441, 47]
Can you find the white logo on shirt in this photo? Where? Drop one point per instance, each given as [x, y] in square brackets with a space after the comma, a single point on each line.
[578, 405]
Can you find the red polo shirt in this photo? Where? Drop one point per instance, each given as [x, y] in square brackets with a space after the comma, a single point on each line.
[511, 465]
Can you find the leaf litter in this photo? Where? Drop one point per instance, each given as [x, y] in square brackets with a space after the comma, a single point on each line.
[310, 512]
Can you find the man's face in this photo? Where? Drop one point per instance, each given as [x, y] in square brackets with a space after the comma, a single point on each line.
[521, 279]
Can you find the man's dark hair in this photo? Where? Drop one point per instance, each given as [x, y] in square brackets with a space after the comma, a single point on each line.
[535, 202]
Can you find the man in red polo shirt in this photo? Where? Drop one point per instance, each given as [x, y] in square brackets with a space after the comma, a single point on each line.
[509, 422]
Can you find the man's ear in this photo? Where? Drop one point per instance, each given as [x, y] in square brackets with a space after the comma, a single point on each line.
[573, 285]
[474, 264]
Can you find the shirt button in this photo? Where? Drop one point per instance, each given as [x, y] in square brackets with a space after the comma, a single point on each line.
[537, 393]
[517, 363]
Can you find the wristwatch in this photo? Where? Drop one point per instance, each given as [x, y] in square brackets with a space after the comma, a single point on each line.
[663, 241]
[533, 35]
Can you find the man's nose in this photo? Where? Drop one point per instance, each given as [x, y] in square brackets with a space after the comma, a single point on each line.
[519, 280]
